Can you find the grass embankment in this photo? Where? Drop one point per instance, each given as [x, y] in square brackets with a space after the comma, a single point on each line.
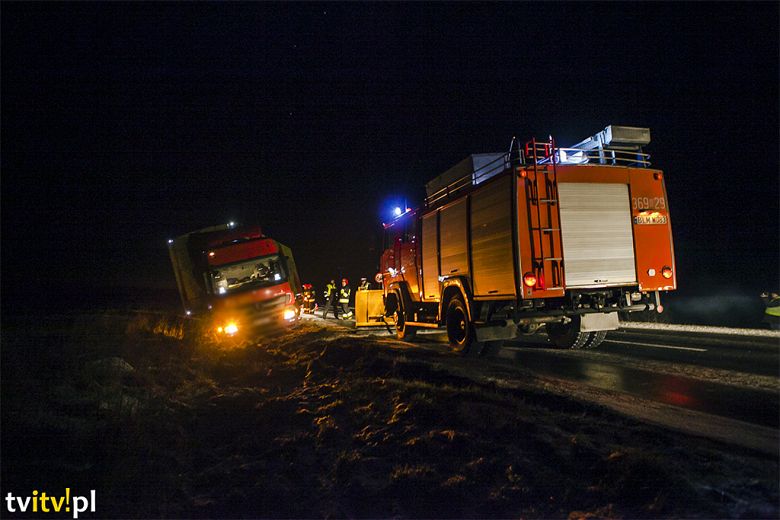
[318, 423]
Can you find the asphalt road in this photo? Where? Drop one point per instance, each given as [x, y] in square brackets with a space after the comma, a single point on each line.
[731, 376]
[748, 354]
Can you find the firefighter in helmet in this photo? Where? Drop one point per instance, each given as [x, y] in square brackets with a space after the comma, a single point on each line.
[364, 285]
[330, 300]
[308, 299]
[772, 311]
[344, 295]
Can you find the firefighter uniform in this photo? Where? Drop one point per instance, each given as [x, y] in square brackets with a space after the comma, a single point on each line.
[309, 303]
[364, 285]
[330, 300]
[772, 311]
[344, 299]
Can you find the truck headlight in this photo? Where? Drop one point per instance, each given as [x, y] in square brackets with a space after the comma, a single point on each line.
[289, 314]
[231, 328]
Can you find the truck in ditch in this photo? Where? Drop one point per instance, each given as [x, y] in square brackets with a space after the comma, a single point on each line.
[541, 237]
[236, 278]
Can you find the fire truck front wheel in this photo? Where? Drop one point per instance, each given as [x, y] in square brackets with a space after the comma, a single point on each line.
[402, 330]
[460, 332]
[567, 335]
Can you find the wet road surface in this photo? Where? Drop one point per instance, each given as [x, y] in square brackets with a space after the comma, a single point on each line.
[745, 404]
[613, 366]
[752, 355]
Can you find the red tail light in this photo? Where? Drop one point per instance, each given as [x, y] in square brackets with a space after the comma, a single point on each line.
[666, 272]
[529, 279]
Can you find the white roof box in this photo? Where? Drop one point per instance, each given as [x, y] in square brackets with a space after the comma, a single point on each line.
[614, 136]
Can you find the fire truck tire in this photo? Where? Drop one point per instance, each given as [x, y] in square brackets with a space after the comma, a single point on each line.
[460, 331]
[402, 330]
[567, 335]
[595, 339]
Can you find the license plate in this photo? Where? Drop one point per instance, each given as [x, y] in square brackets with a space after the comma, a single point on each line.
[650, 219]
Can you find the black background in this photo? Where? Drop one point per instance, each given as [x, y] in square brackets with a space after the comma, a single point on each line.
[124, 125]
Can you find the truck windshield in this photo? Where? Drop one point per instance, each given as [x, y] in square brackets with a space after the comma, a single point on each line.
[249, 274]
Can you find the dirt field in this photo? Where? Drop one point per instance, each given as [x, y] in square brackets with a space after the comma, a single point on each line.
[323, 423]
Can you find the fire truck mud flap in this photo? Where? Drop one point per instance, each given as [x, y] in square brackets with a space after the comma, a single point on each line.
[599, 321]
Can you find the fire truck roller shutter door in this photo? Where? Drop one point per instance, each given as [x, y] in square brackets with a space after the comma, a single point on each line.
[598, 243]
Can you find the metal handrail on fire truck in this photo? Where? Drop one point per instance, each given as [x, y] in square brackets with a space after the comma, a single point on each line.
[545, 153]
[495, 166]
[601, 156]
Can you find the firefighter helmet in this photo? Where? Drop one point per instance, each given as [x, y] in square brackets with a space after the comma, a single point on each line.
[344, 281]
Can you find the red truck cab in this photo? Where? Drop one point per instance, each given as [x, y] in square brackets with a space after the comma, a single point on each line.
[239, 279]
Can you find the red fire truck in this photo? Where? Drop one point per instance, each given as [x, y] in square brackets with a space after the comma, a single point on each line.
[239, 278]
[541, 236]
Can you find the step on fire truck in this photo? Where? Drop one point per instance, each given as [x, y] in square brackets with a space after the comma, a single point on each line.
[239, 279]
[541, 236]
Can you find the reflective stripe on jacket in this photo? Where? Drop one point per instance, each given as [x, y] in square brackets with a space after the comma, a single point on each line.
[344, 295]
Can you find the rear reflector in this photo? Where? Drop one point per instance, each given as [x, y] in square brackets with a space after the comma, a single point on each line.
[666, 272]
[529, 279]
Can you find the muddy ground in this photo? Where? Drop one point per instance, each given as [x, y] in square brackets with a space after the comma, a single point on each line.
[324, 423]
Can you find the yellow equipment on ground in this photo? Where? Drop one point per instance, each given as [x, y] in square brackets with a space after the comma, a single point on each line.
[370, 308]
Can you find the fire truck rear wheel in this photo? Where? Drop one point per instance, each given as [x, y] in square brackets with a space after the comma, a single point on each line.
[567, 335]
[460, 332]
[596, 338]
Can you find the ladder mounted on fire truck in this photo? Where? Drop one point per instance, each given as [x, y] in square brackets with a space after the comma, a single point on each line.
[544, 214]
[537, 164]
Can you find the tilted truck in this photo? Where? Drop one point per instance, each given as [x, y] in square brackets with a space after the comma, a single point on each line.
[542, 236]
[237, 278]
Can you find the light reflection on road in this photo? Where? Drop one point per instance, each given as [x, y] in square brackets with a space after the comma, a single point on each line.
[751, 405]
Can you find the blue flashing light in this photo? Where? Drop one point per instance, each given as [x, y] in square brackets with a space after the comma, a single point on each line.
[397, 211]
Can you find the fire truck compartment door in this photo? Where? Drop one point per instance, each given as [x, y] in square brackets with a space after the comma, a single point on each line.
[430, 256]
[453, 239]
[598, 245]
[491, 240]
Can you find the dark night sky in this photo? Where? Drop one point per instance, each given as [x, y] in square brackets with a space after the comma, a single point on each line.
[126, 124]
